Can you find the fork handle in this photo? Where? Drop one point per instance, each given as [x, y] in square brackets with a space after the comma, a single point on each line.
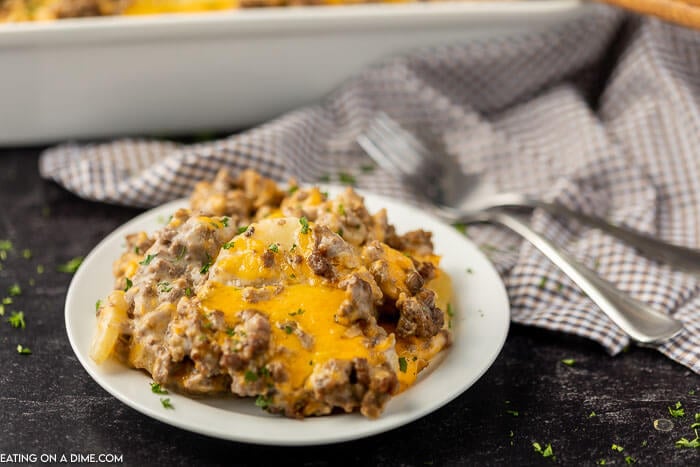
[641, 322]
[682, 258]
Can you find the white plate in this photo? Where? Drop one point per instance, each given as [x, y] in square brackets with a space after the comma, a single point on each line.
[480, 326]
[182, 73]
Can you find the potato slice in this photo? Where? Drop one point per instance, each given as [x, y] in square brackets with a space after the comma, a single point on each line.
[110, 321]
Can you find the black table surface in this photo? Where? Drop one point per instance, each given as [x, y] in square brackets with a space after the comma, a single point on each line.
[51, 406]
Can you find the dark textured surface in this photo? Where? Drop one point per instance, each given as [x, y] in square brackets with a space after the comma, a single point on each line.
[49, 404]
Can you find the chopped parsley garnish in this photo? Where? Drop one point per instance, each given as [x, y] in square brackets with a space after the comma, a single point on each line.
[165, 402]
[304, 225]
[450, 313]
[325, 178]
[230, 331]
[514, 413]
[205, 266]
[546, 452]
[16, 319]
[403, 364]
[224, 221]
[188, 291]
[273, 247]
[14, 290]
[164, 287]
[346, 178]
[228, 245]
[128, 284]
[40, 269]
[470, 271]
[250, 376]
[692, 443]
[242, 229]
[341, 209]
[367, 168]
[214, 224]
[262, 402]
[157, 389]
[543, 282]
[137, 250]
[98, 304]
[461, 228]
[147, 260]
[27, 253]
[23, 350]
[71, 266]
[294, 247]
[298, 312]
[617, 447]
[292, 189]
[568, 361]
[288, 329]
[181, 254]
[677, 411]
[264, 372]
[340, 232]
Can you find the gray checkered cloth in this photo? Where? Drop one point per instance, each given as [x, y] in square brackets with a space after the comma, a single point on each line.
[601, 114]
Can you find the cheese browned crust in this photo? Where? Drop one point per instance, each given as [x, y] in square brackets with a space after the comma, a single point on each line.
[307, 303]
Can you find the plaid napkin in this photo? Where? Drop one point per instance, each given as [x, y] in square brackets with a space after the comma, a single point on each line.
[601, 114]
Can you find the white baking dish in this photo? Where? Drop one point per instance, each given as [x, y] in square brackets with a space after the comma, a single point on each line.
[97, 77]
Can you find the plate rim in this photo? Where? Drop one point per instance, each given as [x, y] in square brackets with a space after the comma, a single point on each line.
[379, 426]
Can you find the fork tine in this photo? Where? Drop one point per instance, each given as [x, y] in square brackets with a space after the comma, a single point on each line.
[378, 154]
[394, 152]
[394, 137]
[400, 133]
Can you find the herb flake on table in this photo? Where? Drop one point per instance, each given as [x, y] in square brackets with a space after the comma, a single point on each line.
[686, 443]
[617, 447]
[677, 410]
[592, 414]
[27, 253]
[514, 413]
[346, 178]
[23, 350]
[568, 361]
[546, 452]
[14, 290]
[16, 320]
[630, 460]
[71, 265]
[5, 245]
[40, 269]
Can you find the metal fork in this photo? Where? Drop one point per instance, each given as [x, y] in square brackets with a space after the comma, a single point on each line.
[459, 197]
